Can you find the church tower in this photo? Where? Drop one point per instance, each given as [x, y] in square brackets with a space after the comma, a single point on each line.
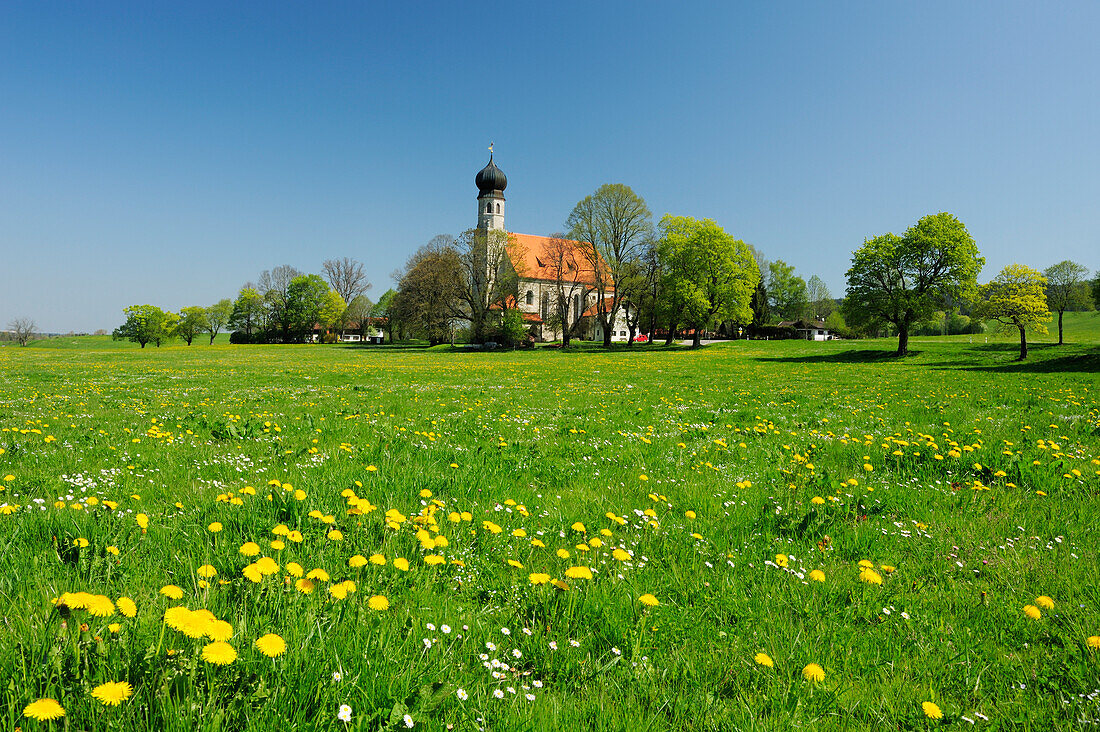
[490, 182]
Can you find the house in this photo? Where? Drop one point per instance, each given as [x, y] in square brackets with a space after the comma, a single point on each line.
[544, 264]
[810, 330]
[370, 331]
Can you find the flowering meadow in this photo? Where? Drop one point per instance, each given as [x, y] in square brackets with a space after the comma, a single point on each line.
[748, 536]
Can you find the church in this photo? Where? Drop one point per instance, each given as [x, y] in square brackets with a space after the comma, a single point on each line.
[549, 271]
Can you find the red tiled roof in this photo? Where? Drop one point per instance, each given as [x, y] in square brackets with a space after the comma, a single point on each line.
[535, 257]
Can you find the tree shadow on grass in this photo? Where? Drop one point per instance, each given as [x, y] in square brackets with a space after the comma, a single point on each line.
[1043, 358]
[866, 355]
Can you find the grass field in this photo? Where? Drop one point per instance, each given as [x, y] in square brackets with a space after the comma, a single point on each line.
[551, 540]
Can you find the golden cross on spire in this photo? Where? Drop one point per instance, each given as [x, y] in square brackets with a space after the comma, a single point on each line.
[490, 148]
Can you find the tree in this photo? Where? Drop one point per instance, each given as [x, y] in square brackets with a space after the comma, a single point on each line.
[346, 277]
[573, 281]
[274, 286]
[1067, 289]
[641, 286]
[819, 297]
[145, 324]
[247, 311]
[22, 330]
[358, 314]
[761, 312]
[1015, 299]
[616, 223]
[429, 293]
[786, 291]
[217, 317]
[901, 279]
[709, 274]
[488, 280]
[332, 310]
[192, 321]
[306, 296]
[384, 309]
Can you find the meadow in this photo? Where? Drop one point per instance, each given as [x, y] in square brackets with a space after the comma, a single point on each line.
[748, 536]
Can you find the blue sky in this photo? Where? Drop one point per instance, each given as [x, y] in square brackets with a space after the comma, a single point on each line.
[169, 152]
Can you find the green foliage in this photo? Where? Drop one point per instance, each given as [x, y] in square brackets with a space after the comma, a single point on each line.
[306, 298]
[786, 291]
[247, 311]
[217, 317]
[192, 321]
[146, 324]
[709, 275]
[900, 279]
[1016, 300]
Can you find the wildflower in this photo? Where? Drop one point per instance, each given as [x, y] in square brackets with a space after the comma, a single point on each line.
[100, 606]
[172, 592]
[813, 672]
[294, 569]
[433, 559]
[250, 549]
[817, 575]
[538, 578]
[357, 561]
[113, 693]
[378, 559]
[219, 653]
[44, 709]
[402, 564]
[648, 599]
[378, 602]
[1044, 602]
[214, 528]
[621, 554]
[578, 527]
[871, 577]
[206, 571]
[318, 574]
[304, 586]
[408, 721]
[578, 573]
[1093, 641]
[344, 714]
[931, 710]
[142, 520]
[817, 500]
[498, 693]
[781, 560]
[764, 659]
[270, 645]
[1032, 612]
[337, 676]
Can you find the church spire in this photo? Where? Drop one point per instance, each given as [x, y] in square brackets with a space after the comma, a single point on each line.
[490, 182]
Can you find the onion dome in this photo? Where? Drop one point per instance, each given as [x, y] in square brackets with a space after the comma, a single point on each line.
[490, 179]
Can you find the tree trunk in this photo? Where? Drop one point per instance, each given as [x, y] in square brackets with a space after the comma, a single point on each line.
[696, 340]
[606, 332]
[903, 340]
[1023, 343]
[671, 332]
[143, 344]
[1060, 326]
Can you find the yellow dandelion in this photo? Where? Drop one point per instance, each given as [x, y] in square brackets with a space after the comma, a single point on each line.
[101, 606]
[1093, 641]
[1044, 602]
[870, 576]
[931, 710]
[215, 527]
[44, 710]
[621, 554]
[172, 592]
[781, 560]
[578, 573]
[113, 693]
[379, 559]
[813, 672]
[357, 561]
[648, 599]
[304, 586]
[402, 564]
[294, 569]
[538, 578]
[379, 603]
[206, 571]
[219, 630]
[433, 559]
[817, 576]
[270, 645]
[1032, 612]
[763, 659]
[250, 549]
[219, 653]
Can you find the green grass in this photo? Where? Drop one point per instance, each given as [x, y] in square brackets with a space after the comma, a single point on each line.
[744, 435]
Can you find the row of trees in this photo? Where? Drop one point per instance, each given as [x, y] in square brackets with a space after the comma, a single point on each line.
[900, 280]
[283, 306]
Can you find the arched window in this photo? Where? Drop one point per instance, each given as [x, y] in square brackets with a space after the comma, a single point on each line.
[498, 208]
[576, 306]
[530, 297]
[546, 306]
[488, 208]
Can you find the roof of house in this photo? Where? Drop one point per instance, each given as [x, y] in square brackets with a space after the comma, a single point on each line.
[593, 311]
[802, 324]
[537, 257]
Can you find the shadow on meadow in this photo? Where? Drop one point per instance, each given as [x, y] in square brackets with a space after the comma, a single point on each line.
[1043, 358]
[865, 355]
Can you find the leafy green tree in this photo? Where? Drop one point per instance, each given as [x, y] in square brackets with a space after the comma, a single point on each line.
[616, 222]
[306, 296]
[901, 280]
[247, 311]
[1015, 299]
[786, 291]
[1096, 290]
[761, 312]
[192, 321]
[145, 324]
[217, 317]
[358, 314]
[710, 274]
[834, 322]
[384, 309]
[1067, 289]
[332, 311]
[429, 294]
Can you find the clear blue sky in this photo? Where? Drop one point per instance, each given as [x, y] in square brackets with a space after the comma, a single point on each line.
[168, 152]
